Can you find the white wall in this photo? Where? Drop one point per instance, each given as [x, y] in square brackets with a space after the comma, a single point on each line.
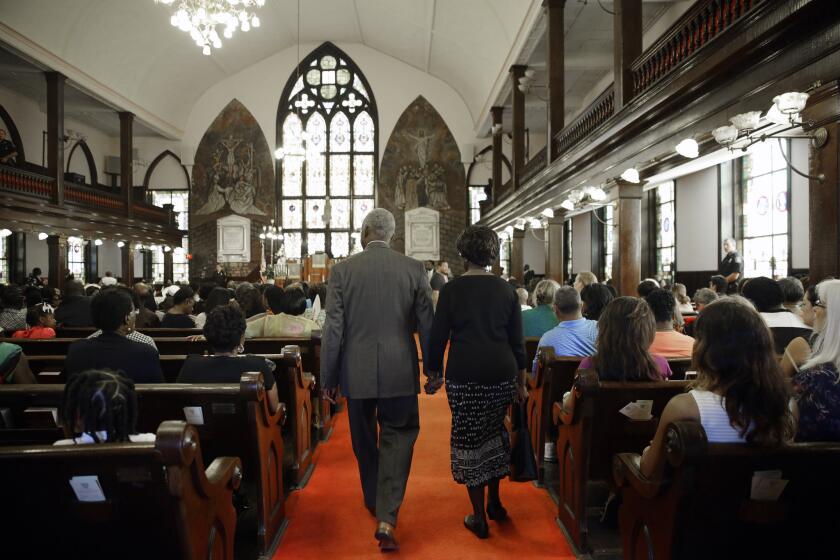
[37, 254]
[109, 259]
[534, 250]
[395, 85]
[581, 243]
[799, 206]
[168, 174]
[697, 220]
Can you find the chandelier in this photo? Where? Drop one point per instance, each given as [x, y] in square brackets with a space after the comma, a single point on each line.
[199, 18]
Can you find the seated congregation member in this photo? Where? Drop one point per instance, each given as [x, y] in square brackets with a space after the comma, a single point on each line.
[767, 296]
[51, 295]
[646, 286]
[203, 292]
[793, 293]
[40, 323]
[74, 310]
[626, 330]
[179, 315]
[798, 350]
[217, 297]
[817, 384]
[667, 342]
[146, 318]
[595, 298]
[32, 296]
[13, 314]
[113, 313]
[289, 322]
[541, 319]
[702, 298]
[718, 284]
[34, 278]
[683, 302]
[574, 335]
[318, 293]
[225, 332]
[740, 394]
[522, 294]
[478, 315]
[133, 333]
[108, 280]
[146, 295]
[249, 300]
[100, 406]
[14, 368]
[584, 279]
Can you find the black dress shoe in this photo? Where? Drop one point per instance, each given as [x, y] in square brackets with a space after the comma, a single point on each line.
[385, 535]
[496, 511]
[478, 528]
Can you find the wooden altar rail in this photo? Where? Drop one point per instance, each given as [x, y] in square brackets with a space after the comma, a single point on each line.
[598, 113]
[534, 166]
[703, 22]
[24, 182]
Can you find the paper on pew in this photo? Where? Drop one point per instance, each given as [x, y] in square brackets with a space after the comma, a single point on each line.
[87, 488]
[194, 415]
[638, 410]
[767, 486]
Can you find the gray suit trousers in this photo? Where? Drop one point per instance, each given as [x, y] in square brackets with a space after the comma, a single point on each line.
[384, 467]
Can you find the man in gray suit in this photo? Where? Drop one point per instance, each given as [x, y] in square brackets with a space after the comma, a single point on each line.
[376, 300]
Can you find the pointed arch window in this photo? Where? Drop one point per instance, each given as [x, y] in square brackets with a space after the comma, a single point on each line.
[328, 113]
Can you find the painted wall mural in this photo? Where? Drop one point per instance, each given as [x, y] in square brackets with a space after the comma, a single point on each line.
[233, 175]
[421, 167]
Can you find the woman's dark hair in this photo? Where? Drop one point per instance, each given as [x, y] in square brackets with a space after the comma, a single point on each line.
[34, 314]
[319, 290]
[734, 357]
[274, 297]
[47, 294]
[32, 295]
[249, 299]
[98, 400]
[294, 301]
[91, 291]
[12, 298]
[645, 287]
[109, 308]
[479, 245]
[183, 294]
[719, 282]
[625, 332]
[595, 298]
[205, 289]
[224, 327]
[765, 293]
[217, 296]
[811, 293]
[662, 303]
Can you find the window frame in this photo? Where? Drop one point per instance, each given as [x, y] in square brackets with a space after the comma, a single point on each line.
[179, 263]
[658, 204]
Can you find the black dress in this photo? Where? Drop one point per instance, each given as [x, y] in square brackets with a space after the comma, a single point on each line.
[176, 321]
[225, 369]
[481, 319]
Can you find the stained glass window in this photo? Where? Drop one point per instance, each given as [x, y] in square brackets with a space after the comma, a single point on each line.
[76, 258]
[567, 249]
[180, 200]
[765, 191]
[4, 260]
[327, 124]
[477, 195]
[665, 238]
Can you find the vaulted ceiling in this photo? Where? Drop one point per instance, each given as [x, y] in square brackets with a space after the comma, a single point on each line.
[130, 48]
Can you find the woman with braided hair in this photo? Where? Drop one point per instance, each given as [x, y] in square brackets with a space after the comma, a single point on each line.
[99, 406]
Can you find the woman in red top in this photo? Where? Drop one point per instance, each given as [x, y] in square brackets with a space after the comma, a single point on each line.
[40, 322]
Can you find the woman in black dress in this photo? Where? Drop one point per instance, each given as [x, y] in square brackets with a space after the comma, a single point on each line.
[478, 314]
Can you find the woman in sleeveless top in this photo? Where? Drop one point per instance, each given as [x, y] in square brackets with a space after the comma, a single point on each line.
[798, 350]
[740, 394]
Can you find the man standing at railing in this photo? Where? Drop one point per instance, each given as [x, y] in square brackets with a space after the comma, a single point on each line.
[8, 151]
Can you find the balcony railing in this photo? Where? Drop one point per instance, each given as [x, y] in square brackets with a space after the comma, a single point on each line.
[92, 198]
[597, 113]
[151, 212]
[534, 166]
[24, 182]
[702, 23]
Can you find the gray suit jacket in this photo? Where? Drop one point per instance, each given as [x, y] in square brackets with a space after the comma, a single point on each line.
[376, 300]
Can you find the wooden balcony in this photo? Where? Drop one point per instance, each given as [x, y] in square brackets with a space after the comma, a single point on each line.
[534, 166]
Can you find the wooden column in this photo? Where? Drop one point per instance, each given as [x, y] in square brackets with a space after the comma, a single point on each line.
[824, 197]
[496, 113]
[554, 243]
[555, 70]
[627, 243]
[517, 255]
[55, 134]
[627, 46]
[16, 258]
[127, 257]
[126, 172]
[57, 256]
[167, 266]
[518, 151]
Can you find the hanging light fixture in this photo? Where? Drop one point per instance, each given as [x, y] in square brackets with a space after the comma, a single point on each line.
[200, 18]
[688, 148]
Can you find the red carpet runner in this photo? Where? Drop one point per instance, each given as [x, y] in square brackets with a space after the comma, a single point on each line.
[328, 518]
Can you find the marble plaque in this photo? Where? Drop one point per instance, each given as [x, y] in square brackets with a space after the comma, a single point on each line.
[233, 239]
[422, 234]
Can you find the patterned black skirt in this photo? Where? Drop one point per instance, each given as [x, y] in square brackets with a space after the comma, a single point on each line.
[480, 448]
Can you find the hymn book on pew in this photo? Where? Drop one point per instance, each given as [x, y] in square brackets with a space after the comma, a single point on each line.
[638, 410]
[767, 486]
[87, 488]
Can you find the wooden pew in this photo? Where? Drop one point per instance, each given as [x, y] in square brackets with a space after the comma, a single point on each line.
[703, 507]
[161, 501]
[678, 368]
[84, 332]
[592, 431]
[553, 377]
[531, 343]
[236, 422]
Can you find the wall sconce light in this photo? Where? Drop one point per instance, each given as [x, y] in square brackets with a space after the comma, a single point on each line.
[42, 236]
[97, 242]
[688, 148]
[5, 232]
[548, 213]
[120, 244]
[631, 175]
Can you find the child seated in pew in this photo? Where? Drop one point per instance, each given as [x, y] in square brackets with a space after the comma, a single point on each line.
[224, 330]
[100, 406]
[740, 395]
[40, 322]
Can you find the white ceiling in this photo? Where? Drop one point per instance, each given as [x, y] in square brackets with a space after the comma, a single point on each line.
[129, 47]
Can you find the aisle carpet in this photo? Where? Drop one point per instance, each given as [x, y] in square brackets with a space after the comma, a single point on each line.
[328, 518]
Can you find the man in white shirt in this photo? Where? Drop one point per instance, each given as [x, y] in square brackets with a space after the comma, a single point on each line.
[108, 280]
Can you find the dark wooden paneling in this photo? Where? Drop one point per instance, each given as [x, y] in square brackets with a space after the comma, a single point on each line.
[694, 280]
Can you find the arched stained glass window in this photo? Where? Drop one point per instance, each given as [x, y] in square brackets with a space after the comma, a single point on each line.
[327, 126]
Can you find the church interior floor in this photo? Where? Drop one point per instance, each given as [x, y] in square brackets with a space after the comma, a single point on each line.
[327, 518]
